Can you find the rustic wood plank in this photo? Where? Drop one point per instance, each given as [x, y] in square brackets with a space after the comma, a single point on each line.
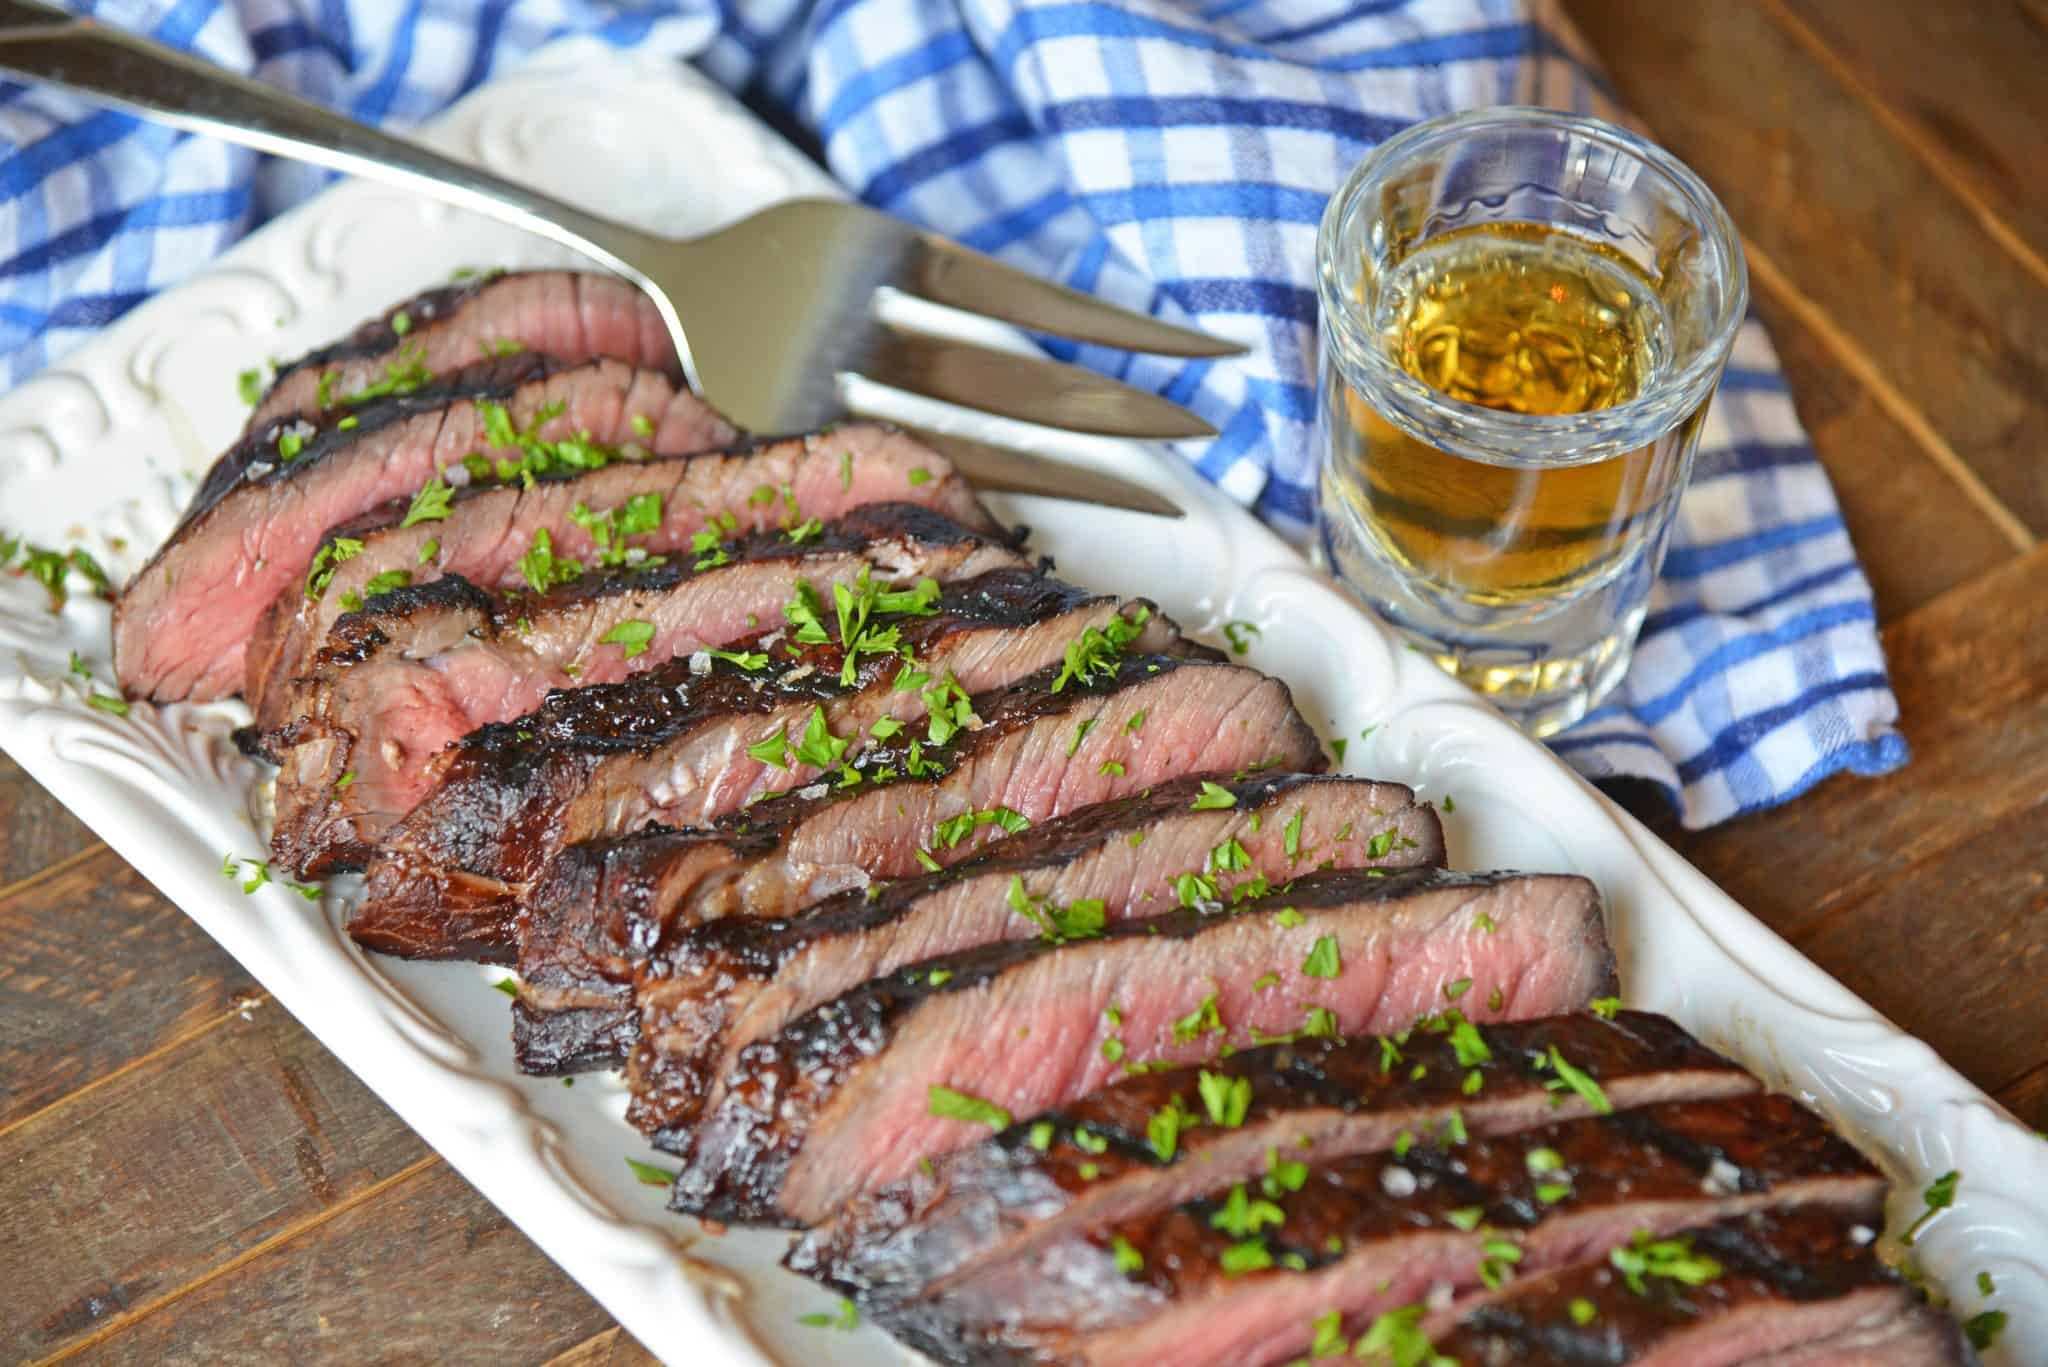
[1916, 532]
[2027, 1098]
[195, 1156]
[1971, 674]
[1954, 325]
[613, 1348]
[1963, 84]
[98, 971]
[35, 830]
[424, 1271]
[1977, 915]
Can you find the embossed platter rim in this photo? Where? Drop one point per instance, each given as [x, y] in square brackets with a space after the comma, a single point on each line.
[103, 447]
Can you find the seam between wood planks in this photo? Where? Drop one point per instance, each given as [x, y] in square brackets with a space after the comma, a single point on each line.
[1901, 409]
[1923, 148]
[2014, 1084]
[129, 1318]
[175, 1042]
[49, 871]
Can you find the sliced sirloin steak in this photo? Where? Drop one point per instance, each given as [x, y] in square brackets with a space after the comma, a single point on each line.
[419, 669]
[571, 316]
[488, 528]
[1029, 1187]
[1795, 1288]
[842, 1099]
[598, 909]
[1241, 1275]
[478, 861]
[181, 625]
[716, 989]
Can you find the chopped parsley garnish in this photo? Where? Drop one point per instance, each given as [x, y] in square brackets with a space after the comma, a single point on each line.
[330, 557]
[1249, 1256]
[1320, 1024]
[753, 662]
[1282, 1174]
[1229, 857]
[1605, 1007]
[954, 829]
[1128, 1259]
[401, 322]
[632, 635]
[1081, 731]
[820, 748]
[1497, 1256]
[1225, 1098]
[1582, 1311]
[919, 475]
[430, 549]
[1213, 797]
[1983, 1330]
[1291, 834]
[1240, 635]
[1040, 1136]
[845, 1318]
[1193, 889]
[108, 702]
[542, 568]
[509, 986]
[1542, 1160]
[1940, 1195]
[938, 977]
[1397, 1337]
[1580, 1082]
[1082, 920]
[405, 374]
[774, 750]
[1337, 748]
[1466, 1218]
[1163, 1130]
[1242, 1215]
[1457, 988]
[1096, 652]
[948, 1104]
[386, 582]
[651, 1174]
[1110, 768]
[1289, 918]
[1203, 1020]
[1322, 961]
[643, 426]
[249, 384]
[1329, 1338]
[1672, 1259]
[1136, 722]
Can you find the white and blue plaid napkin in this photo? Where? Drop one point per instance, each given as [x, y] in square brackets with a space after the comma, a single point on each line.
[1167, 154]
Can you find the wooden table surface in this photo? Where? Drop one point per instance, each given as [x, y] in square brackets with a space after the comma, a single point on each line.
[186, 1175]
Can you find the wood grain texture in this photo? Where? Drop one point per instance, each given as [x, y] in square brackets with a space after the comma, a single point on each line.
[613, 1348]
[424, 1272]
[35, 831]
[99, 970]
[2027, 1098]
[1916, 532]
[1842, 207]
[1962, 84]
[175, 1166]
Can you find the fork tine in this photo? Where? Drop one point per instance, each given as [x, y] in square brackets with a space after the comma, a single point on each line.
[1004, 469]
[948, 273]
[1023, 387]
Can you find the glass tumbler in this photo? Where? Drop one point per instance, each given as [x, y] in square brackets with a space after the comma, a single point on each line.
[1524, 315]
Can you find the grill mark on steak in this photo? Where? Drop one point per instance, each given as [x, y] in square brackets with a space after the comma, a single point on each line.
[1373, 1233]
[490, 526]
[583, 934]
[824, 831]
[837, 1102]
[720, 987]
[569, 316]
[1795, 1287]
[421, 668]
[181, 625]
[1005, 1197]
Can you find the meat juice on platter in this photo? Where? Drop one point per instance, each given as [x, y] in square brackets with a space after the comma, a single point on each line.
[1009, 944]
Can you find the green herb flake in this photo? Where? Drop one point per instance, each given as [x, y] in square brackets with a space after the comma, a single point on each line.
[1457, 988]
[1671, 1259]
[108, 702]
[1466, 1218]
[1203, 1020]
[1582, 1312]
[1041, 1134]
[1289, 918]
[1080, 733]
[1397, 1337]
[1128, 1260]
[1323, 960]
[1242, 1215]
[1983, 1330]
[510, 987]
[1249, 1256]
[1213, 797]
[651, 1174]
[846, 1318]
[948, 1104]
[1163, 1130]
[918, 475]
[1605, 1007]
[1240, 635]
[1337, 748]
[1940, 1195]
[643, 426]
[1225, 1098]
[1580, 1082]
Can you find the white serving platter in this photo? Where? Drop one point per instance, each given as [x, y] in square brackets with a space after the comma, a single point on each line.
[104, 449]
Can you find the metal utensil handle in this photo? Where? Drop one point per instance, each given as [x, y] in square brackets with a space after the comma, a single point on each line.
[144, 77]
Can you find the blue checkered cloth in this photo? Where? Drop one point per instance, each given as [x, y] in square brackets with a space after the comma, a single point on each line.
[1169, 155]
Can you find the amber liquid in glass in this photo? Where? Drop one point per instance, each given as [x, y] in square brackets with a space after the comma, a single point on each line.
[1525, 319]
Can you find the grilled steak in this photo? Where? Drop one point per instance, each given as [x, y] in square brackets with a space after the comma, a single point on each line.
[599, 909]
[181, 624]
[419, 669]
[571, 316]
[1795, 1288]
[688, 761]
[1024, 1189]
[488, 528]
[843, 1099]
[1241, 1274]
[719, 988]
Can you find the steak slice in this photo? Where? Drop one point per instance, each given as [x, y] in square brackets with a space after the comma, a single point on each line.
[1241, 1274]
[843, 1099]
[508, 806]
[182, 623]
[571, 316]
[1800, 1287]
[715, 990]
[1009, 1196]
[592, 918]
[420, 668]
[489, 527]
